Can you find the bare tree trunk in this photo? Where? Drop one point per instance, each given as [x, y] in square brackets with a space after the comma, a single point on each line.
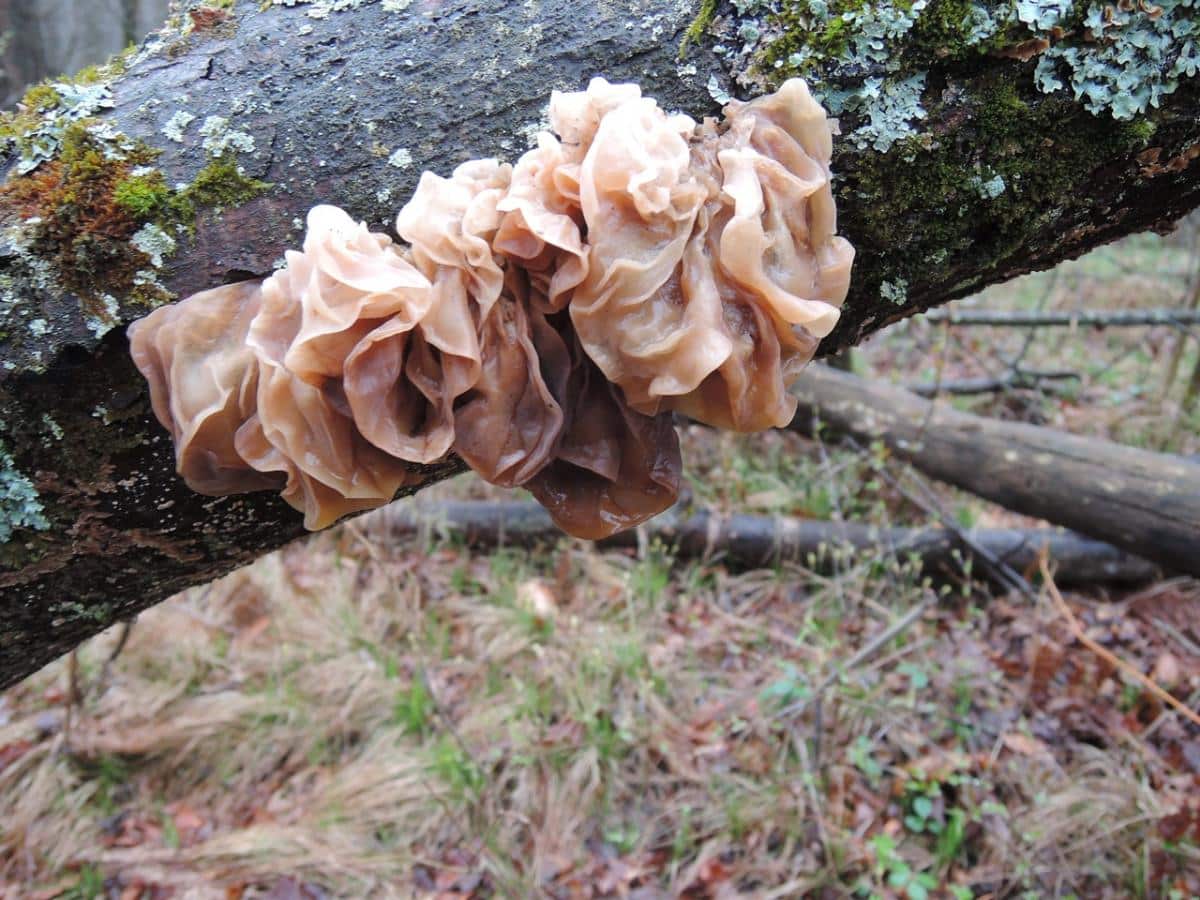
[52, 38]
[27, 48]
[314, 104]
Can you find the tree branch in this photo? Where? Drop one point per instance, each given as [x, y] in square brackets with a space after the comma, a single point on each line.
[232, 131]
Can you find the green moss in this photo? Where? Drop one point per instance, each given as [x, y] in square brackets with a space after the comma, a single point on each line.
[695, 31]
[78, 224]
[143, 196]
[19, 123]
[808, 37]
[219, 185]
[1033, 157]
[41, 98]
[117, 65]
[89, 210]
[943, 31]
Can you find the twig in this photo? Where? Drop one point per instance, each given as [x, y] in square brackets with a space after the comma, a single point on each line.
[1191, 303]
[1108, 656]
[1014, 364]
[106, 670]
[1082, 318]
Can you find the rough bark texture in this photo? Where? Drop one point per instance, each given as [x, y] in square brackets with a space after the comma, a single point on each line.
[347, 102]
[1145, 503]
[742, 541]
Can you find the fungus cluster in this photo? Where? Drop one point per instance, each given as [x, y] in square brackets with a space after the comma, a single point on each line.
[542, 321]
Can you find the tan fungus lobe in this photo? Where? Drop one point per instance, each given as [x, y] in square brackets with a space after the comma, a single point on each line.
[543, 320]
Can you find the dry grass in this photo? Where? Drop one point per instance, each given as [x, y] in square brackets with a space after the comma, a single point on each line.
[391, 721]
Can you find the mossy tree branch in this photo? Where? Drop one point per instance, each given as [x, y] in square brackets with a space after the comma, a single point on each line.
[192, 162]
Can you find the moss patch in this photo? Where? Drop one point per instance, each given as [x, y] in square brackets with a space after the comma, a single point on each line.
[72, 217]
[82, 212]
[142, 196]
[219, 185]
[695, 31]
[1033, 156]
[18, 124]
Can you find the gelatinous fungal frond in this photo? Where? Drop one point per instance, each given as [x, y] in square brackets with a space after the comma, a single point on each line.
[543, 321]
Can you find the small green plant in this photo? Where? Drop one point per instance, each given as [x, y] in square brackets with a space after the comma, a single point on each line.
[457, 770]
[786, 690]
[892, 868]
[622, 836]
[652, 574]
[170, 834]
[950, 841]
[610, 740]
[90, 885]
[681, 843]
[110, 774]
[413, 710]
[862, 758]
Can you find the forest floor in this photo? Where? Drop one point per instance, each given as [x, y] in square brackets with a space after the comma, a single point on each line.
[354, 716]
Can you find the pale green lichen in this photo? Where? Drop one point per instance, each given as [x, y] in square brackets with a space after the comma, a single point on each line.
[19, 503]
[401, 158]
[889, 106]
[151, 240]
[894, 291]
[991, 188]
[176, 125]
[220, 139]
[870, 58]
[103, 320]
[62, 105]
[717, 92]
[320, 9]
[73, 611]
[1134, 57]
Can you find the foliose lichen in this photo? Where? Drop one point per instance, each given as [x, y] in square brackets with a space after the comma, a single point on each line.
[46, 116]
[1132, 56]
[870, 58]
[19, 503]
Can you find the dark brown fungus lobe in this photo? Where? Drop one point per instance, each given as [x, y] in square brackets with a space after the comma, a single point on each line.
[509, 424]
[544, 321]
[614, 466]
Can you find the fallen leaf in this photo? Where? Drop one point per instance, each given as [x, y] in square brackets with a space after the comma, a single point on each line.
[535, 596]
[1025, 745]
[1166, 670]
[10, 753]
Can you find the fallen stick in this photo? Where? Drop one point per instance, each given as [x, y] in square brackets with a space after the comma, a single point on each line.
[745, 541]
[967, 387]
[1148, 504]
[1090, 318]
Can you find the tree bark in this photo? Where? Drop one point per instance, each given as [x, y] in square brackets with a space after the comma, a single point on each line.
[1148, 504]
[317, 100]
